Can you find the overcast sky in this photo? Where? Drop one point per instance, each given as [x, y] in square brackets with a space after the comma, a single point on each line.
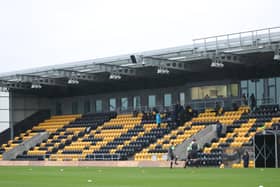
[36, 33]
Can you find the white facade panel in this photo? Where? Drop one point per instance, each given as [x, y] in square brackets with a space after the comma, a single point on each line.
[3, 126]
[4, 115]
[4, 111]
[4, 102]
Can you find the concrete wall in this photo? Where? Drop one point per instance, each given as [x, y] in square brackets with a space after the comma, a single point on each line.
[23, 106]
[202, 137]
[91, 163]
[25, 146]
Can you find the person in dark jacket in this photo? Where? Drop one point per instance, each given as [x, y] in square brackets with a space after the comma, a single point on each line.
[171, 155]
[244, 100]
[253, 102]
[195, 148]
[188, 113]
[145, 115]
[219, 129]
[245, 159]
[192, 153]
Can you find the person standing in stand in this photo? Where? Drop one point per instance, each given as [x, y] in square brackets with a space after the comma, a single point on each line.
[244, 100]
[158, 119]
[253, 102]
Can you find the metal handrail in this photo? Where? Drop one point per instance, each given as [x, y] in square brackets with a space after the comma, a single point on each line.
[160, 108]
[111, 156]
[197, 104]
[268, 29]
[238, 40]
[206, 103]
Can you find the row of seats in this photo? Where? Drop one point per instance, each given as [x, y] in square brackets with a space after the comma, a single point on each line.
[231, 124]
[64, 136]
[240, 132]
[159, 149]
[240, 165]
[49, 125]
[149, 133]
[16, 141]
[213, 159]
[114, 137]
[95, 141]
[56, 141]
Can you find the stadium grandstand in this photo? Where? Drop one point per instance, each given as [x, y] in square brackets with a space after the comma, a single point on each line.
[223, 91]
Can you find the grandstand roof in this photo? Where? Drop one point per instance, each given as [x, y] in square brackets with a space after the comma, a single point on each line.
[208, 58]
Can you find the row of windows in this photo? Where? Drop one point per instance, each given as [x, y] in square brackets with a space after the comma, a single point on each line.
[136, 103]
[265, 90]
[124, 106]
[215, 91]
[202, 92]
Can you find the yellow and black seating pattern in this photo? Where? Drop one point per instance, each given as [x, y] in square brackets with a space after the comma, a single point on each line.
[240, 165]
[159, 149]
[94, 143]
[240, 131]
[49, 125]
[64, 144]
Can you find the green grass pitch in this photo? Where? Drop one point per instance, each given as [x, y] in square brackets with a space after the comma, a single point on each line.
[128, 177]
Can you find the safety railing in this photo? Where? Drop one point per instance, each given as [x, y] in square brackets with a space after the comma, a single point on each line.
[206, 103]
[253, 38]
[199, 105]
[103, 156]
[160, 108]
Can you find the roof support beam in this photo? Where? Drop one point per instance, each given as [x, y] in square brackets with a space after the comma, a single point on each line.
[166, 63]
[76, 75]
[13, 85]
[117, 69]
[228, 58]
[37, 80]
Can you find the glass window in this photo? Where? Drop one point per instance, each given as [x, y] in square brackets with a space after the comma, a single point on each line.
[75, 108]
[167, 100]
[244, 84]
[252, 88]
[256, 87]
[234, 90]
[244, 88]
[124, 104]
[112, 104]
[271, 81]
[278, 89]
[87, 106]
[136, 102]
[98, 105]
[244, 91]
[272, 94]
[209, 92]
[260, 91]
[182, 98]
[152, 101]
[272, 90]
